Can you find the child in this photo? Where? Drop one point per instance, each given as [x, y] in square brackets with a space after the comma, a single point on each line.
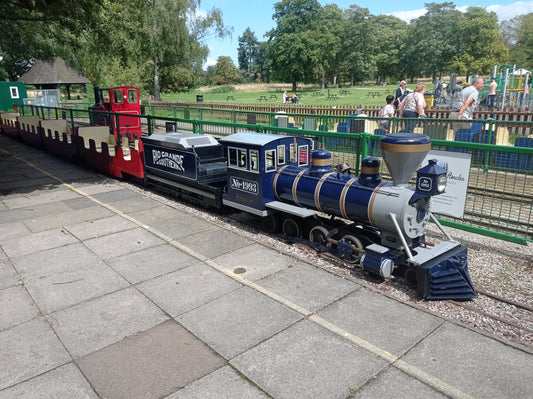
[387, 111]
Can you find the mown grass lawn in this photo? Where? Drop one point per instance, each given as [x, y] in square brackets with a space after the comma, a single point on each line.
[308, 95]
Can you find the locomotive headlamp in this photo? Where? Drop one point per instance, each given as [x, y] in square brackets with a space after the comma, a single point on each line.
[431, 179]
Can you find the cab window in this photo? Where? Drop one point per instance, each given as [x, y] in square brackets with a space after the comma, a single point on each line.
[105, 96]
[237, 158]
[254, 160]
[117, 96]
[270, 160]
[303, 152]
[281, 155]
[132, 96]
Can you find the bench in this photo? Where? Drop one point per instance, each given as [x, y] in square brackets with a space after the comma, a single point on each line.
[51, 126]
[27, 122]
[100, 134]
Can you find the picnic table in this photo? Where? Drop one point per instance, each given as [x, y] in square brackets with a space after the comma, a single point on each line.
[230, 97]
[317, 94]
[332, 96]
[262, 98]
[273, 97]
[344, 92]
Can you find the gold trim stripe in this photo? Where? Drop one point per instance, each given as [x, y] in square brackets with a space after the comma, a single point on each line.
[404, 147]
[317, 190]
[370, 170]
[320, 161]
[275, 181]
[342, 199]
[371, 203]
[295, 186]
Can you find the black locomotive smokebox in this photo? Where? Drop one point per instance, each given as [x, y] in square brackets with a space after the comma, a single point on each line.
[403, 153]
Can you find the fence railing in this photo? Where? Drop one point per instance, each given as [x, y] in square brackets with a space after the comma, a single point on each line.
[499, 198]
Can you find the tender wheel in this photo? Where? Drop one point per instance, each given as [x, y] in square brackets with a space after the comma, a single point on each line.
[270, 223]
[357, 248]
[291, 228]
[319, 234]
[410, 276]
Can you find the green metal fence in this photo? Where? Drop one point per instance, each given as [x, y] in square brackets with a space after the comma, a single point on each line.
[500, 188]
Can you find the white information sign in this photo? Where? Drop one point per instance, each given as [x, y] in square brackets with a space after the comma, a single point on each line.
[457, 165]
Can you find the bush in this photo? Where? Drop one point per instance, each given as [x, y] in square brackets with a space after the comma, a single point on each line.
[223, 89]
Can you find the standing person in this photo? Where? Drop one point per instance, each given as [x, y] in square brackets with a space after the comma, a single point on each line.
[387, 111]
[284, 96]
[466, 103]
[492, 93]
[413, 106]
[400, 93]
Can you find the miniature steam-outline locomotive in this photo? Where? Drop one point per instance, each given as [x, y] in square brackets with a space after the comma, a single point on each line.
[293, 188]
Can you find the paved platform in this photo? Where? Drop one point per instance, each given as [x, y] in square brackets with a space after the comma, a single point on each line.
[107, 293]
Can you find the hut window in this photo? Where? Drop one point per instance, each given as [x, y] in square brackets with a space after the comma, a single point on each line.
[14, 92]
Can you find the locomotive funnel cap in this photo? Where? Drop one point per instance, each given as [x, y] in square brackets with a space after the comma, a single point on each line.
[403, 153]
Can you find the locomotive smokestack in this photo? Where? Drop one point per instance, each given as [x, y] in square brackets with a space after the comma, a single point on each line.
[403, 153]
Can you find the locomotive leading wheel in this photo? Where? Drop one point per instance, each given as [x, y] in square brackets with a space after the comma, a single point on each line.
[319, 234]
[291, 228]
[270, 223]
[357, 248]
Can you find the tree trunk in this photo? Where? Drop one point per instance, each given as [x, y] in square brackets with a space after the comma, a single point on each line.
[157, 88]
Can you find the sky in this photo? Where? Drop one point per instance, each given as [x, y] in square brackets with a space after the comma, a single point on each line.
[257, 15]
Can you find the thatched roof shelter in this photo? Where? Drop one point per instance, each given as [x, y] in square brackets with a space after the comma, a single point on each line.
[52, 75]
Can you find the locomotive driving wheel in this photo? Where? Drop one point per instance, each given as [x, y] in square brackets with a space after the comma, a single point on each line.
[319, 234]
[292, 228]
[357, 248]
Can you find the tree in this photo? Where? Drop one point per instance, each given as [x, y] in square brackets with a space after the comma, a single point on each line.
[225, 71]
[31, 30]
[480, 43]
[247, 50]
[299, 49]
[518, 35]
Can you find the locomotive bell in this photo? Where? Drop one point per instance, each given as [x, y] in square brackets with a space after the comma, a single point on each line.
[403, 153]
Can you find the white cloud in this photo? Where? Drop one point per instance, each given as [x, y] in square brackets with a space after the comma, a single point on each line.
[503, 12]
[210, 61]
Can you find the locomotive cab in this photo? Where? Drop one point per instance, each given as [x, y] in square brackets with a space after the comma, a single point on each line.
[121, 100]
[253, 160]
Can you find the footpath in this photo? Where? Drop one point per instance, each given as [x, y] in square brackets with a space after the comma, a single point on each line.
[109, 293]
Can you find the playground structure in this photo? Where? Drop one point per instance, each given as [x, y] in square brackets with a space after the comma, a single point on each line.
[513, 86]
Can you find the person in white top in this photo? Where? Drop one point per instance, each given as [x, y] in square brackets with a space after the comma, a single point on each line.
[387, 111]
[413, 106]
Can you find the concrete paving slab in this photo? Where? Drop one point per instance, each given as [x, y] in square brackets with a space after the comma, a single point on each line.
[172, 222]
[188, 288]
[47, 222]
[38, 198]
[136, 204]
[109, 197]
[28, 350]
[96, 185]
[459, 357]
[79, 203]
[26, 184]
[308, 286]
[308, 361]
[95, 324]
[100, 227]
[12, 230]
[151, 262]
[8, 275]
[255, 262]
[122, 243]
[393, 383]
[385, 323]
[214, 242]
[224, 383]
[58, 285]
[64, 382]
[238, 321]
[150, 364]
[37, 242]
[16, 307]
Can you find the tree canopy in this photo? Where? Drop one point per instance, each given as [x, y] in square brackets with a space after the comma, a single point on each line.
[159, 45]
